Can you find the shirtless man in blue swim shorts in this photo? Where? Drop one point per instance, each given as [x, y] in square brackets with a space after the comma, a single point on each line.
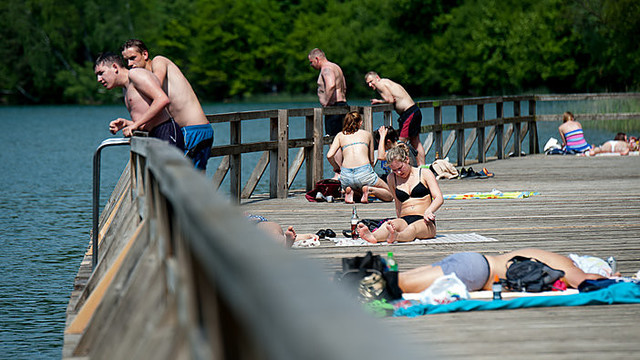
[477, 271]
[183, 102]
[410, 116]
[143, 97]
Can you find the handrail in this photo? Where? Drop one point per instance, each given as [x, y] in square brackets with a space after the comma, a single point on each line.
[264, 293]
[96, 192]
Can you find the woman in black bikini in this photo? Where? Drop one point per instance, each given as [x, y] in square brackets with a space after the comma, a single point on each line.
[417, 197]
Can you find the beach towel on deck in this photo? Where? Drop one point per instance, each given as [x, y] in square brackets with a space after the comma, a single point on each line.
[439, 239]
[621, 293]
[494, 194]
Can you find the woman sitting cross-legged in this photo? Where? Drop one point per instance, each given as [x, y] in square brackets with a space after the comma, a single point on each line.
[356, 173]
[417, 196]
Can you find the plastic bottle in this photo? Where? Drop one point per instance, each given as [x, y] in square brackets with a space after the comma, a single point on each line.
[391, 262]
[354, 223]
[497, 288]
[613, 264]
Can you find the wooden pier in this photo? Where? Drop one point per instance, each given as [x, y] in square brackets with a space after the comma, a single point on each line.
[179, 274]
[587, 206]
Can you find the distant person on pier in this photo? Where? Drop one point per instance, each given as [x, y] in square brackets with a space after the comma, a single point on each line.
[417, 197]
[183, 102]
[410, 119]
[332, 89]
[619, 145]
[356, 172]
[572, 135]
[143, 97]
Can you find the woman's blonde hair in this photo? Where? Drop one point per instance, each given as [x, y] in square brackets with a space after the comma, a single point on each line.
[351, 123]
[398, 153]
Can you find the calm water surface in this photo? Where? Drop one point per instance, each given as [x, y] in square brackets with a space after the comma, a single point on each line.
[45, 205]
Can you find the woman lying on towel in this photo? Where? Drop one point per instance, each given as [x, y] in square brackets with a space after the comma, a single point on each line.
[417, 196]
[619, 145]
[477, 271]
[356, 171]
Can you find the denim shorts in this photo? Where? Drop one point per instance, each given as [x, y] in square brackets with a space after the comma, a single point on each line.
[358, 177]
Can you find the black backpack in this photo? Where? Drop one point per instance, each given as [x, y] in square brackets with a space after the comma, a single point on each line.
[368, 278]
[527, 274]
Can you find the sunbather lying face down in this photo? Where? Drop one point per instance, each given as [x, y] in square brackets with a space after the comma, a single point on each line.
[477, 271]
[618, 145]
[417, 196]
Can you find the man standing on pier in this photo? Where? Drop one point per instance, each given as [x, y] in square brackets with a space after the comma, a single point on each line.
[143, 97]
[332, 89]
[183, 102]
[410, 116]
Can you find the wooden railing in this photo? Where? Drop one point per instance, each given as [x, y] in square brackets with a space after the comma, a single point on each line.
[462, 132]
[184, 275]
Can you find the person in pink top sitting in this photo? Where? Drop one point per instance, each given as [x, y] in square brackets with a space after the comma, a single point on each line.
[572, 135]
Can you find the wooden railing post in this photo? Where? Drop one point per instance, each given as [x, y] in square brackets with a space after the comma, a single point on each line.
[533, 129]
[480, 133]
[367, 118]
[437, 120]
[273, 159]
[500, 130]
[517, 145]
[318, 146]
[388, 120]
[308, 152]
[460, 134]
[283, 153]
[235, 182]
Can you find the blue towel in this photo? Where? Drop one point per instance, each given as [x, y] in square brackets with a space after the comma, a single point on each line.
[622, 293]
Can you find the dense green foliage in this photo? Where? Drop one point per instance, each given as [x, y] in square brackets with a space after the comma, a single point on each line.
[240, 48]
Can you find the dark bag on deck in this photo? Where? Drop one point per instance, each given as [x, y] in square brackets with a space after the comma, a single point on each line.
[370, 276]
[527, 274]
[326, 187]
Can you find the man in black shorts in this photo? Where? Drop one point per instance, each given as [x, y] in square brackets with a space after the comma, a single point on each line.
[410, 119]
[143, 97]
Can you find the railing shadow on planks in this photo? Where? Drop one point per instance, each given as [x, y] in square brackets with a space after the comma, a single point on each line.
[461, 132]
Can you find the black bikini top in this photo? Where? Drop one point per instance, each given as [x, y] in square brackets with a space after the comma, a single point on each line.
[418, 191]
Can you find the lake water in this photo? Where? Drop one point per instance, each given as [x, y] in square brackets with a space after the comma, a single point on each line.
[45, 203]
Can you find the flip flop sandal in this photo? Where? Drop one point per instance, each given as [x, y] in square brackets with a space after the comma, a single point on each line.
[322, 233]
[330, 233]
[346, 233]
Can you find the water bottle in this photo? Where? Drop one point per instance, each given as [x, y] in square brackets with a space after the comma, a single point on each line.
[497, 288]
[391, 262]
[613, 264]
[354, 223]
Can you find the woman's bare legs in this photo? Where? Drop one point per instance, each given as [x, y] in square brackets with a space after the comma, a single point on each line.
[381, 190]
[418, 279]
[417, 230]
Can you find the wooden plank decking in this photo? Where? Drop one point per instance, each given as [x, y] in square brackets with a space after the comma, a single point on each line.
[586, 206]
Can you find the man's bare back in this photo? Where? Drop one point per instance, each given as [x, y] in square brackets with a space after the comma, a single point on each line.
[331, 84]
[184, 106]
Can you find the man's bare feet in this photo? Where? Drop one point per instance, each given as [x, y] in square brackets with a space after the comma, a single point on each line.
[289, 236]
[365, 195]
[392, 233]
[365, 234]
[348, 195]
